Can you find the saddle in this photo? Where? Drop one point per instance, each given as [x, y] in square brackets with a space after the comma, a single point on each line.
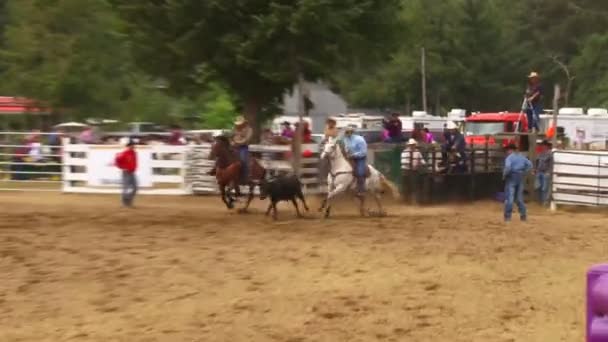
[368, 172]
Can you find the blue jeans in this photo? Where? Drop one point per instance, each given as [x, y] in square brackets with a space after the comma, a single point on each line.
[360, 166]
[542, 187]
[129, 188]
[533, 116]
[244, 158]
[514, 191]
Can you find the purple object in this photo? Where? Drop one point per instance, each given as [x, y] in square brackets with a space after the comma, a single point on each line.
[597, 303]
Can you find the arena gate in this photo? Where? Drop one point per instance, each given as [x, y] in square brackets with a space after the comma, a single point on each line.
[580, 178]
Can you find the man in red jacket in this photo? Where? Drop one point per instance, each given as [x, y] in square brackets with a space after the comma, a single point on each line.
[127, 162]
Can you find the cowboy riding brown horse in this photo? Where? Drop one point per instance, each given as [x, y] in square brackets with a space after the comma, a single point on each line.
[228, 172]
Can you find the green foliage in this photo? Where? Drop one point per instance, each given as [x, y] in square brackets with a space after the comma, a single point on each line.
[257, 48]
[592, 69]
[67, 53]
[219, 58]
[479, 52]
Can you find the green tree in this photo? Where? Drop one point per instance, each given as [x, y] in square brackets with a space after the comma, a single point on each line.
[591, 67]
[68, 54]
[257, 48]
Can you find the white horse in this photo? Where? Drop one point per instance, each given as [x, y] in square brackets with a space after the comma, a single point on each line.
[341, 178]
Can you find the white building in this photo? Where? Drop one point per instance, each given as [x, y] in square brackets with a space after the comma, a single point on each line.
[326, 103]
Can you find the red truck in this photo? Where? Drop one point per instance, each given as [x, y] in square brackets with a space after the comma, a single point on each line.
[482, 126]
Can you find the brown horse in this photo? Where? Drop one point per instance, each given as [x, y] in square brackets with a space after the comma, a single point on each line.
[228, 172]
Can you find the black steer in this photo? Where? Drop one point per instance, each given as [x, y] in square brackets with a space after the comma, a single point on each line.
[282, 188]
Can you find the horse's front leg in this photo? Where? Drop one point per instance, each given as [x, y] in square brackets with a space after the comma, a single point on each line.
[340, 188]
[362, 205]
[249, 198]
[225, 199]
[330, 188]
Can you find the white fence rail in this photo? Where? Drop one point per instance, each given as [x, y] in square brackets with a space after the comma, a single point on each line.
[580, 178]
[30, 161]
[169, 170]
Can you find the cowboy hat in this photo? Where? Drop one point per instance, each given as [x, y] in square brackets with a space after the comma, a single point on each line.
[349, 128]
[451, 125]
[412, 141]
[240, 121]
[533, 74]
[511, 147]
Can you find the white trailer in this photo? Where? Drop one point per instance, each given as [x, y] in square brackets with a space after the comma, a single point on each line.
[359, 120]
[423, 120]
[277, 123]
[580, 127]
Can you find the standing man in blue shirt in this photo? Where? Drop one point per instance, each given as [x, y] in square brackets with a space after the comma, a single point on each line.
[514, 175]
[356, 148]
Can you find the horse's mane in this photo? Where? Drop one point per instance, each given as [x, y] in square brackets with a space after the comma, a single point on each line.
[222, 139]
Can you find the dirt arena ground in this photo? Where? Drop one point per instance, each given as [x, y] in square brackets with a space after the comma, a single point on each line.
[80, 268]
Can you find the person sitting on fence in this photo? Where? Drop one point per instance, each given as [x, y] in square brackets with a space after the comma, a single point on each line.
[456, 163]
[542, 171]
[414, 161]
[514, 175]
[454, 142]
[356, 149]
[241, 138]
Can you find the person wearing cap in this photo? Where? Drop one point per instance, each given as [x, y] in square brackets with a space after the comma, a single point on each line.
[514, 175]
[241, 138]
[542, 171]
[127, 162]
[534, 99]
[454, 142]
[356, 148]
[415, 159]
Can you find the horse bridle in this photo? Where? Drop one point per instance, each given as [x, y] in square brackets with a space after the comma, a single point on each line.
[334, 175]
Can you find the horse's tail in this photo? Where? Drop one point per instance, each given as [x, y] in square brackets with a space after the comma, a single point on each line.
[392, 188]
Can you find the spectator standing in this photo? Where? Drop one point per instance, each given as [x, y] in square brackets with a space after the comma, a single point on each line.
[428, 136]
[287, 132]
[86, 136]
[395, 128]
[127, 162]
[542, 172]
[534, 101]
[514, 174]
[177, 137]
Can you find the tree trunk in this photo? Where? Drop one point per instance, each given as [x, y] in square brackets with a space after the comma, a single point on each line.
[297, 141]
[251, 108]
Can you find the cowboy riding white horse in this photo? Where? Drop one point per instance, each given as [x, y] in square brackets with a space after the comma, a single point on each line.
[341, 178]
